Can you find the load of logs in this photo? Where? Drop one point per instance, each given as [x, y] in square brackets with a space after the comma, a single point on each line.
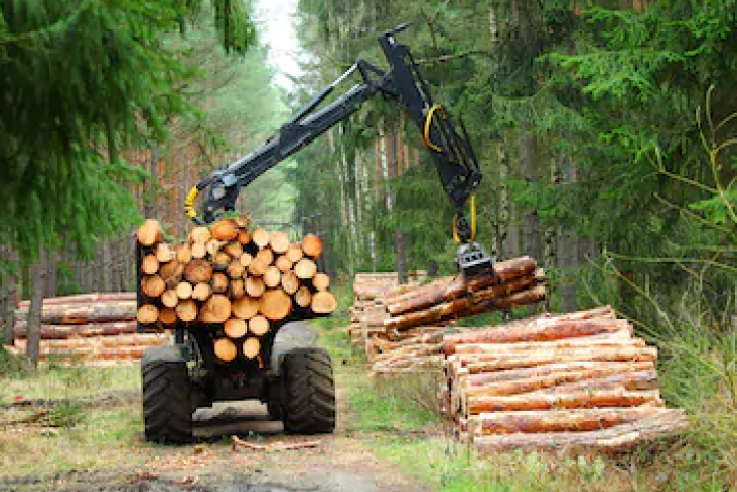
[240, 284]
[87, 329]
[571, 381]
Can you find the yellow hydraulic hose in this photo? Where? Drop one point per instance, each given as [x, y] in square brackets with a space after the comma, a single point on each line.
[456, 237]
[428, 123]
[189, 209]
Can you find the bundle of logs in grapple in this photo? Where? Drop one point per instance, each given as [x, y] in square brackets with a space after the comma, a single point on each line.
[240, 283]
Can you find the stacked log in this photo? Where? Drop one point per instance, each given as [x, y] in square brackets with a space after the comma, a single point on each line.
[578, 380]
[238, 284]
[87, 329]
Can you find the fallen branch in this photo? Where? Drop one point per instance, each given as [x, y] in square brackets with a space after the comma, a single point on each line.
[277, 446]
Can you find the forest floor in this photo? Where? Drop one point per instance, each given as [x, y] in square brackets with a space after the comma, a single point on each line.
[66, 430]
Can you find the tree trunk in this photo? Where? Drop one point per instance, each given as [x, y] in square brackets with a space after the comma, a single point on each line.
[35, 309]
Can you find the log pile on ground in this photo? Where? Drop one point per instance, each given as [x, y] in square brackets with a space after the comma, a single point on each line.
[238, 284]
[572, 381]
[95, 329]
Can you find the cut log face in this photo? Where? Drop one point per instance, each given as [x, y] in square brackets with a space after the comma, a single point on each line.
[216, 309]
[224, 230]
[305, 268]
[147, 314]
[198, 250]
[290, 282]
[184, 290]
[152, 286]
[169, 298]
[235, 327]
[237, 288]
[213, 246]
[149, 265]
[199, 234]
[165, 252]
[321, 281]
[323, 303]
[168, 316]
[258, 325]
[220, 261]
[266, 256]
[198, 270]
[283, 263]
[251, 347]
[275, 304]
[234, 249]
[279, 242]
[149, 233]
[245, 307]
[184, 253]
[219, 283]
[246, 259]
[294, 253]
[187, 310]
[255, 287]
[172, 273]
[243, 221]
[272, 276]
[261, 237]
[312, 245]
[303, 297]
[257, 267]
[225, 349]
[201, 291]
[244, 237]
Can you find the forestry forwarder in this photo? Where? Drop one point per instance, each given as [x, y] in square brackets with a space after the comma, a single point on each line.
[296, 383]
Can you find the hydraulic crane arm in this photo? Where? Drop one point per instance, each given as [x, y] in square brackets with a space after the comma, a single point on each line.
[452, 153]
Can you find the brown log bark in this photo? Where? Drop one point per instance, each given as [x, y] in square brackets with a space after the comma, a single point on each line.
[617, 438]
[305, 268]
[199, 234]
[147, 314]
[235, 327]
[237, 288]
[541, 329]
[225, 349]
[258, 325]
[187, 310]
[152, 286]
[219, 283]
[275, 304]
[312, 245]
[168, 316]
[592, 342]
[251, 347]
[224, 230]
[184, 290]
[576, 399]
[478, 300]
[82, 313]
[303, 297]
[184, 253]
[632, 381]
[198, 250]
[234, 249]
[198, 270]
[245, 307]
[579, 420]
[294, 253]
[201, 291]
[260, 237]
[279, 242]
[149, 265]
[255, 287]
[149, 233]
[323, 303]
[169, 298]
[272, 276]
[450, 288]
[83, 298]
[172, 273]
[51, 332]
[321, 281]
[216, 309]
[290, 282]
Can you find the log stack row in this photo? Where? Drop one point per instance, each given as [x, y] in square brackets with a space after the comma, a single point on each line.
[238, 284]
[89, 329]
[578, 380]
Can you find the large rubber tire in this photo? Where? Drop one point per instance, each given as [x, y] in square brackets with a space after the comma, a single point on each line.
[167, 396]
[276, 411]
[309, 391]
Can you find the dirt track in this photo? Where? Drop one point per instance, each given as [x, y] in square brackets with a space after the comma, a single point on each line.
[337, 463]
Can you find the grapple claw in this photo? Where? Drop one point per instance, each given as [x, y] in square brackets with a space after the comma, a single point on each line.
[473, 261]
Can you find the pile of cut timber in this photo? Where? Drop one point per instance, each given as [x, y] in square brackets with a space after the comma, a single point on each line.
[371, 291]
[88, 329]
[573, 381]
[238, 284]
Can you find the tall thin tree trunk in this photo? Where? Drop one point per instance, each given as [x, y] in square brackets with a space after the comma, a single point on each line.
[38, 281]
